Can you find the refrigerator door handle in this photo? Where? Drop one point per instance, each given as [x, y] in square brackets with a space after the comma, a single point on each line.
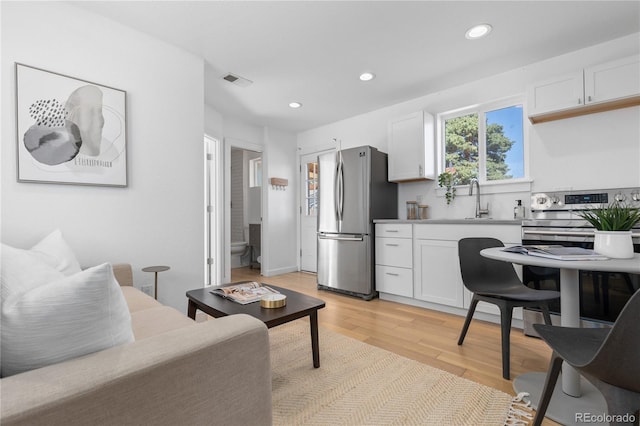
[342, 238]
[340, 190]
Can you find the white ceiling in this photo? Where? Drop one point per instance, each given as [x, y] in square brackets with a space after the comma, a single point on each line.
[313, 51]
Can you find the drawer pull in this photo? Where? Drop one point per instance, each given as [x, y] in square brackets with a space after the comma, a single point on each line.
[391, 245]
[391, 230]
[392, 274]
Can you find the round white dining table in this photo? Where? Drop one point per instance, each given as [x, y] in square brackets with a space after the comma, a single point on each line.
[569, 307]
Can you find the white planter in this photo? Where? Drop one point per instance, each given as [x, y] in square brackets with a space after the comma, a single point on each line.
[614, 244]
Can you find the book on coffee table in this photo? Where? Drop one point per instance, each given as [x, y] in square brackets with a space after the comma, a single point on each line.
[244, 293]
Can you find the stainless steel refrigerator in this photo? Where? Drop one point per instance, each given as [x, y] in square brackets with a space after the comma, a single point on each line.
[352, 191]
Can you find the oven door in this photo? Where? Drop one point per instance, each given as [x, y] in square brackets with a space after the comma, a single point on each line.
[602, 294]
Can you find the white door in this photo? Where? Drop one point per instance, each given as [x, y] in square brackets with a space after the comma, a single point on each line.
[309, 212]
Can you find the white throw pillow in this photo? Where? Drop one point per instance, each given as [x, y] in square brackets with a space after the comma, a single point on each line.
[23, 270]
[64, 319]
[56, 252]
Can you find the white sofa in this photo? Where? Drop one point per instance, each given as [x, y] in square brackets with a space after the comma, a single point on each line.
[177, 372]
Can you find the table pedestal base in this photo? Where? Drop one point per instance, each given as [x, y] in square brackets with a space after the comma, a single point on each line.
[563, 408]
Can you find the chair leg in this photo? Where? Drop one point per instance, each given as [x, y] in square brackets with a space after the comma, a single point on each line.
[549, 384]
[545, 314]
[467, 321]
[506, 312]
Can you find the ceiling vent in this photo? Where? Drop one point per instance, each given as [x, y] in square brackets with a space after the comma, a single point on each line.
[237, 80]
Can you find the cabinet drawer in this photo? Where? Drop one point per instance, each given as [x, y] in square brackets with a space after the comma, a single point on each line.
[393, 280]
[394, 252]
[392, 230]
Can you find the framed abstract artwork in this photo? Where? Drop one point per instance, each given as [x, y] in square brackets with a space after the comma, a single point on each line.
[69, 131]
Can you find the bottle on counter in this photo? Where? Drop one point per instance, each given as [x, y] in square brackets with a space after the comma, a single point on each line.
[518, 210]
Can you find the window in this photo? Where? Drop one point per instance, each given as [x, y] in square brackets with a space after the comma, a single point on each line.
[311, 189]
[255, 172]
[484, 142]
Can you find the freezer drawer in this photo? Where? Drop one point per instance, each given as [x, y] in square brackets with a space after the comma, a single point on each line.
[344, 263]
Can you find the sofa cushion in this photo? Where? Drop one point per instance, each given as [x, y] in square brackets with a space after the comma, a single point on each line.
[63, 319]
[157, 320]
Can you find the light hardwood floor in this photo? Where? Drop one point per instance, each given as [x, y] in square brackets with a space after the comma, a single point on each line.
[420, 334]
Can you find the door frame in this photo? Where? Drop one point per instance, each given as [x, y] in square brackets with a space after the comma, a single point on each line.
[212, 217]
[226, 252]
[314, 151]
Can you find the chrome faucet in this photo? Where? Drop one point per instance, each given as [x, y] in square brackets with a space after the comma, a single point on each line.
[479, 211]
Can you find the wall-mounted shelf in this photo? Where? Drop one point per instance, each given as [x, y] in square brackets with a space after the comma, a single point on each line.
[584, 110]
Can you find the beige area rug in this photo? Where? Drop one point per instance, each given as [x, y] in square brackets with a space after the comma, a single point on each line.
[360, 384]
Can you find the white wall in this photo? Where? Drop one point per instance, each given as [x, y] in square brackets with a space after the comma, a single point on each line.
[594, 151]
[158, 218]
[280, 234]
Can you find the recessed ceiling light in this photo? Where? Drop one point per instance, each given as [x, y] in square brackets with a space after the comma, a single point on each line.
[295, 104]
[367, 76]
[478, 31]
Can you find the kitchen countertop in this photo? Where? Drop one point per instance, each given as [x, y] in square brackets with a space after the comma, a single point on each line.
[483, 221]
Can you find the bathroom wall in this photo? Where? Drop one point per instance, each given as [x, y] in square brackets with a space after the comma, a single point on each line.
[237, 195]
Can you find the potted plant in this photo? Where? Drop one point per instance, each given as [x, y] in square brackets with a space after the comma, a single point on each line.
[613, 225]
[447, 180]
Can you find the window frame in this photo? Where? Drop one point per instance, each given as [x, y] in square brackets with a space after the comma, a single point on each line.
[255, 172]
[502, 185]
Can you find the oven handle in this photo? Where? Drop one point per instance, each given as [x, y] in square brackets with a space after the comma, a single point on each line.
[566, 233]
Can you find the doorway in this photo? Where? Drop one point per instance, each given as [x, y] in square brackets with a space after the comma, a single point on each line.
[242, 206]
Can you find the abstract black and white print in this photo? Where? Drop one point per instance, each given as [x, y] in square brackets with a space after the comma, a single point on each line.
[69, 130]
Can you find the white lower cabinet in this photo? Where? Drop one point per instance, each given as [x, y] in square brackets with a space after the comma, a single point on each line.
[420, 261]
[437, 272]
[394, 259]
[437, 275]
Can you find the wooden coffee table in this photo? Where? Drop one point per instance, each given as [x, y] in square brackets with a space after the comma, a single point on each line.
[298, 306]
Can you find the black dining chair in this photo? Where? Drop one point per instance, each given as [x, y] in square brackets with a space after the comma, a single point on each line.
[496, 282]
[608, 358]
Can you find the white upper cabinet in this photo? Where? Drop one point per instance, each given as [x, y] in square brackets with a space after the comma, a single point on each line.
[557, 94]
[613, 80]
[599, 88]
[411, 148]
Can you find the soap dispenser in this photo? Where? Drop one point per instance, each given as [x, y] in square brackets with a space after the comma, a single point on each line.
[518, 210]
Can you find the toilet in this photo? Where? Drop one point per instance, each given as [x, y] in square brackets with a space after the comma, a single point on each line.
[237, 249]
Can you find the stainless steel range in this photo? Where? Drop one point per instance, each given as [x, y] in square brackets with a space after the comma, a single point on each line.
[553, 221]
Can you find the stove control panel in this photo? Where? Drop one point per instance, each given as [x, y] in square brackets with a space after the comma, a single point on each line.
[582, 200]
[600, 198]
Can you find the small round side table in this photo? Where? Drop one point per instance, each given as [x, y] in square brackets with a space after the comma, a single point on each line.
[155, 269]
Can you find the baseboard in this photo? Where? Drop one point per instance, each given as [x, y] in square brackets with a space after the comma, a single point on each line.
[279, 271]
[484, 316]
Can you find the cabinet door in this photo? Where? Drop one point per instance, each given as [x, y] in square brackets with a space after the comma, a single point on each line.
[411, 148]
[613, 80]
[557, 94]
[437, 272]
